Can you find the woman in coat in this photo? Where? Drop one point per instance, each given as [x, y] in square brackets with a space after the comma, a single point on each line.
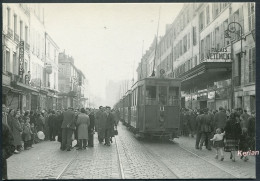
[233, 132]
[17, 131]
[83, 122]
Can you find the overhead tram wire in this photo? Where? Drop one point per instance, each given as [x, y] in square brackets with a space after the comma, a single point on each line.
[153, 73]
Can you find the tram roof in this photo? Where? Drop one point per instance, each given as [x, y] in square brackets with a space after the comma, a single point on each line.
[155, 78]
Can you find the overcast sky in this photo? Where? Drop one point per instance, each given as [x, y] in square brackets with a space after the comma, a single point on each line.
[106, 39]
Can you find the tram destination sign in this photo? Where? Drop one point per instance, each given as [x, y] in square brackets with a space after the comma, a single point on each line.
[222, 53]
[21, 58]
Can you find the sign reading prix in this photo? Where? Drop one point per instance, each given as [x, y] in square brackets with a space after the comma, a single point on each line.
[219, 54]
[21, 58]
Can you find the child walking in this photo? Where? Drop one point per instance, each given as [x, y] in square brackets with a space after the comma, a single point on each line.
[219, 143]
[27, 134]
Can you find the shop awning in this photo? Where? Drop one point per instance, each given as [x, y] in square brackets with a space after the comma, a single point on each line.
[25, 87]
[6, 89]
[204, 73]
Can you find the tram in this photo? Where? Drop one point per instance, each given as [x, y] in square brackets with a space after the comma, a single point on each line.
[153, 107]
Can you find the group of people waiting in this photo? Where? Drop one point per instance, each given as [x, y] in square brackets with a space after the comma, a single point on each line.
[84, 124]
[226, 131]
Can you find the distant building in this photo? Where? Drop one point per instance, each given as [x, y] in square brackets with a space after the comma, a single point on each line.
[71, 84]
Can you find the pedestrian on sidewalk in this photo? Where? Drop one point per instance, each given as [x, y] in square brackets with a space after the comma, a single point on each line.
[51, 124]
[109, 129]
[218, 143]
[91, 128]
[251, 130]
[68, 126]
[220, 119]
[198, 128]
[17, 131]
[101, 123]
[206, 129]
[244, 141]
[233, 132]
[82, 123]
[27, 138]
[8, 148]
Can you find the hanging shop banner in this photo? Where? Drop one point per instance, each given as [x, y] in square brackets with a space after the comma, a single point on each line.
[21, 58]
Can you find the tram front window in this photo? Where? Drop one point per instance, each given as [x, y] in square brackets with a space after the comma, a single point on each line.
[162, 95]
[173, 96]
[150, 95]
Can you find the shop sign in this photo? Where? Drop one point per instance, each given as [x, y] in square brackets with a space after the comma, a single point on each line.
[221, 53]
[21, 58]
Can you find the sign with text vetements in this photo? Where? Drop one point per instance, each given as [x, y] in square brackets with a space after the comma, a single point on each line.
[21, 58]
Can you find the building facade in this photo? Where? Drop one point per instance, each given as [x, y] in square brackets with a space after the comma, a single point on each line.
[216, 70]
[30, 72]
[71, 84]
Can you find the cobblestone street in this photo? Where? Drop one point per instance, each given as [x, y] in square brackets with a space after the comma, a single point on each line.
[127, 157]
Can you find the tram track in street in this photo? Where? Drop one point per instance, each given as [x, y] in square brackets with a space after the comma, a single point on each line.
[207, 161]
[67, 166]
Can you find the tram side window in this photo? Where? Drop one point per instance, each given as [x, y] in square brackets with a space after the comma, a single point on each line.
[173, 96]
[150, 95]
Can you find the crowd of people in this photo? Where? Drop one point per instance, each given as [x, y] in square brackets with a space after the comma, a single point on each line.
[21, 129]
[225, 130]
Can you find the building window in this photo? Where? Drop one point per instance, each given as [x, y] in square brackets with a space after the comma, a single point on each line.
[207, 44]
[207, 15]
[202, 49]
[180, 47]
[251, 15]
[225, 26]
[21, 30]
[195, 61]
[15, 24]
[201, 20]
[15, 64]
[26, 34]
[252, 66]
[7, 60]
[194, 36]
[185, 44]
[8, 18]
[188, 41]
[217, 38]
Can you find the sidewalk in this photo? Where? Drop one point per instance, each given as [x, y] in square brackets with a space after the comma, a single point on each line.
[239, 168]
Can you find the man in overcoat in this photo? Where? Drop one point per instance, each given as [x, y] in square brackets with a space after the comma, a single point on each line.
[68, 126]
[220, 119]
[91, 128]
[206, 129]
[101, 123]
[110, 123]
[198, 128]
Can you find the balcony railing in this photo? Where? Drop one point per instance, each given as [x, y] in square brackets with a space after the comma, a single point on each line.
[10, 33]
[237, 80]
[16, 37]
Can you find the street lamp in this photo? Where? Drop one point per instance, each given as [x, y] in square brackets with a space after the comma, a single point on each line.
[232, 29]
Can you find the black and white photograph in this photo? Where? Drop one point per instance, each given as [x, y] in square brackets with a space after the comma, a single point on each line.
[129, 90]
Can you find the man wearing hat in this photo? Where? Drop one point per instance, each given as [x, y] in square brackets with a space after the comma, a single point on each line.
[220, 119]
[68, 126]
[251, 130]
[101, 123]
[206, 129]
[110, 123]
